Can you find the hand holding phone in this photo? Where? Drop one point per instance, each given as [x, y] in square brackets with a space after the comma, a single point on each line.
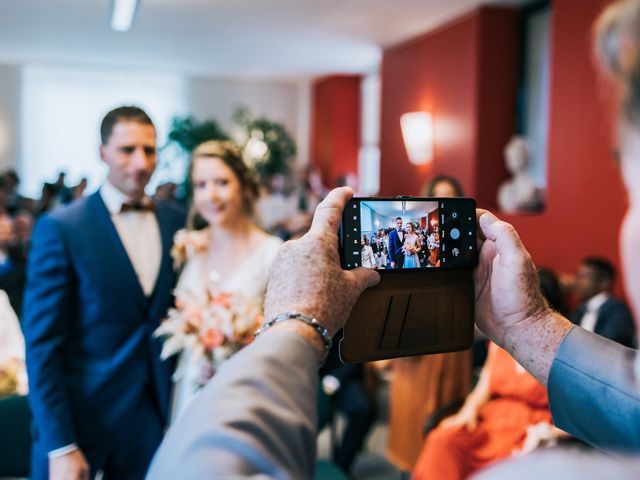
[424, 302]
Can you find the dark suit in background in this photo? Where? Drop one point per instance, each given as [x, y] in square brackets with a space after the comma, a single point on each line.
[95, 375]
[614, 321]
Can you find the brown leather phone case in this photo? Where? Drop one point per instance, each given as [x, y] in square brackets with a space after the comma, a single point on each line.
[411, 313]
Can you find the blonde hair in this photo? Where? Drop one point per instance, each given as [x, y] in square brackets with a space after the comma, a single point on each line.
[231, 155]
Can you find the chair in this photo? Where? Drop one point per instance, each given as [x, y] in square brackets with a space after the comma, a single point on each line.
[15, 437]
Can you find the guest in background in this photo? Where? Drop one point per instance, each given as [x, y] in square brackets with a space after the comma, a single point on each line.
[379, 248]
[423, 385]
[346, 389]
[79, 190]
[367, 258]
[599, 311]
[433, 244]
[23, 221]
[46, 201]
[443, 186]
[13, 372]
[232, 251]
[12, 264]
[507, 413]
[14, 201]
[99, 280]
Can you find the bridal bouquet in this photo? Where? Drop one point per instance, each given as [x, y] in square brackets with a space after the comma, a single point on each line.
[208, 327]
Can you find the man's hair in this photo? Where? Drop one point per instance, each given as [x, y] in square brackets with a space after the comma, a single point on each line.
[127, 113]
[398, 218]
[603, 268]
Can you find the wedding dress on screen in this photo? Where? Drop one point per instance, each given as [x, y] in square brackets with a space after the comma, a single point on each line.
[411, 245]
[248, 279]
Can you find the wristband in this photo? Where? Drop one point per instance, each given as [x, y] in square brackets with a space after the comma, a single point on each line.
[312, 322]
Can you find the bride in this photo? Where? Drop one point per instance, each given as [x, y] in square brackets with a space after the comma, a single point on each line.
[411, 247]
[231, 251]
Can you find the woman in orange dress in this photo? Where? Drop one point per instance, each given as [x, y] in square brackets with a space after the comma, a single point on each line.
[507, 413]
[419, 387]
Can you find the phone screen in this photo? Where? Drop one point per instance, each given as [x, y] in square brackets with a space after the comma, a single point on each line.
[405, 234]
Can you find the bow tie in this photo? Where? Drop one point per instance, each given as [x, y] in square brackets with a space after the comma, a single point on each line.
[137, 207]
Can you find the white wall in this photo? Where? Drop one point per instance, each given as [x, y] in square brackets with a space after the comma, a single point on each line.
[10, 94]
[288, 102]
[281, 101]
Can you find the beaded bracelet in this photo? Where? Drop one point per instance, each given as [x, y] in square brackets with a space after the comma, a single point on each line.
[317, 326]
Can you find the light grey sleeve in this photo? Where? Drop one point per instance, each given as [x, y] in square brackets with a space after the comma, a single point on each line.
[562, 462]
[256, 417]
[594, 391]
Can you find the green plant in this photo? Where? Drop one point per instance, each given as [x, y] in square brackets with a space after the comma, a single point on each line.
[189, 133]
[269, 147]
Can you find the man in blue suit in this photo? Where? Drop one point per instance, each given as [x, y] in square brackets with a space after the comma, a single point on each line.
[600, 312]
[396, 239]
[99, 282]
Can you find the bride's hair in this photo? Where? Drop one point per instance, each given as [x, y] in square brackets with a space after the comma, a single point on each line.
[231, 156]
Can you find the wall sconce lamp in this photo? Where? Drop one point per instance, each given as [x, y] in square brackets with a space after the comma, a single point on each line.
[417, 132]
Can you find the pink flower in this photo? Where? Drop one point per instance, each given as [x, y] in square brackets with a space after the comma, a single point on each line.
[192, 319]
[222, 299]
[212, 338]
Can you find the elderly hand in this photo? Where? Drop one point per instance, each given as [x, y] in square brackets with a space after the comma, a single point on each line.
[306, 276]
[510, 308]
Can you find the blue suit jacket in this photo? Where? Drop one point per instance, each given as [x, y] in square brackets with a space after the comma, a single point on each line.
[91, 357]
[395, 248]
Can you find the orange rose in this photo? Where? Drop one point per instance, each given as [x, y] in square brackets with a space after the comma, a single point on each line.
[212, 338]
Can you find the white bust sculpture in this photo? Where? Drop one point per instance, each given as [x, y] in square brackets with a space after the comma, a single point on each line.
[519, 193]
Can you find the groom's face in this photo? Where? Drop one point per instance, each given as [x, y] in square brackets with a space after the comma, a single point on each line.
[130, 153]
[399, 224]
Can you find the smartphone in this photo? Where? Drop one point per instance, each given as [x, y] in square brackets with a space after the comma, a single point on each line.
[425, 250]
[405, 234]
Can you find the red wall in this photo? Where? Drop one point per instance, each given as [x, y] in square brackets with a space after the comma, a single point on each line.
[335, 137]
[585, 198]
[464, 74]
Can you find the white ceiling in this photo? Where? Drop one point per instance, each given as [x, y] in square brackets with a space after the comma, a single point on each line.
[224, 38]
[392, 209]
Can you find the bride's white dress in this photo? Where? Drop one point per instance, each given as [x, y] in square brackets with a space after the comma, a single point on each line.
[248, 279]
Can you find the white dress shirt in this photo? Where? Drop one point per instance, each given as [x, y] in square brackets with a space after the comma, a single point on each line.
[590, 317]
[140, 235]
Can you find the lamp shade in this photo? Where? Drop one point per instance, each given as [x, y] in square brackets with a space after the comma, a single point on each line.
[417, 132]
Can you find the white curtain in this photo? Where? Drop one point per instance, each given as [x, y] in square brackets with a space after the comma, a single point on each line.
[61, 113]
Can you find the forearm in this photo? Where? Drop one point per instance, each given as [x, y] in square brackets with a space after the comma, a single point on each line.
[241, 423]
[534, 342]
[594, 391]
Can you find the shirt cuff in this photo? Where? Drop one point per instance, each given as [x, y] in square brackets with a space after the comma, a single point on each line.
[59, 452]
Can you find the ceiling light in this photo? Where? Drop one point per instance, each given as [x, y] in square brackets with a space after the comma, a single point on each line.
[123, 13]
